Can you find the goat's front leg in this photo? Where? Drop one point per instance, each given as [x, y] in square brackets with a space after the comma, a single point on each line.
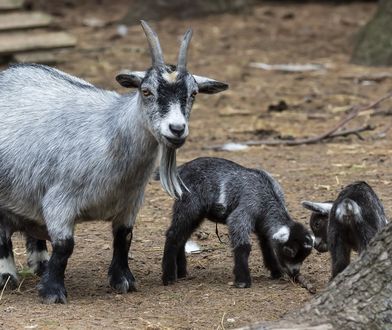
[59, 214]
[120, 276]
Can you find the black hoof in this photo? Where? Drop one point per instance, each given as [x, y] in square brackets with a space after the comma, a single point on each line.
[9, 279]
[52, 293]
[181, 273]
[122, 281]
[169, 279]
[242, 285]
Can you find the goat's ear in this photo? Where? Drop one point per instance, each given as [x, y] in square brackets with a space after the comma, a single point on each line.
[290, 251]
[130, 79]
[210, 86]
[321, 208]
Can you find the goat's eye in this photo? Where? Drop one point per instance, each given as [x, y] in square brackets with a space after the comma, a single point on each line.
[193, 95]
[146, 92]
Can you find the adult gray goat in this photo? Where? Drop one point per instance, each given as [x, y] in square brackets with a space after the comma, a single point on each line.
[70, 152]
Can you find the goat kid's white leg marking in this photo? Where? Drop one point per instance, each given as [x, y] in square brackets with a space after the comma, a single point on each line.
[347, 208]
[34, 258]
[282, 235]
[7, 266]
[174, 117]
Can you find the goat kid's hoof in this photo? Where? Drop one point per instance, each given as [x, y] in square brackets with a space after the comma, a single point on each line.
[123, 282]
[9, 279]
[242, 285]
[169, 279]
[53, 294]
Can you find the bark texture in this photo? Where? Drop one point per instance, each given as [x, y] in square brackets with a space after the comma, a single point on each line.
[374, 42]
[358, 298]
[156, 10]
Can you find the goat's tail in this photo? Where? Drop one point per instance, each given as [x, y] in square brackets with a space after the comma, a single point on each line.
[348, 210]
[168, 175]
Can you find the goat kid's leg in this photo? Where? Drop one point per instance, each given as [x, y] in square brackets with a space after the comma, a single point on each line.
[269, 257]
[186, 218]
[37, 255]
[240, 227]
[241, 267]
[340, 255]
[120, 276]
[8, 274]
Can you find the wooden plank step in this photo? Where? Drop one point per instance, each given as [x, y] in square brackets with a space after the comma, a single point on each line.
[23, 20]
[41, 57]
[22, 42]
[11, 4]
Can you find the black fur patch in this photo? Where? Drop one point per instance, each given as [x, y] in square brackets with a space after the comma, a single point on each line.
[172, 92]
[51, 288]
[120, 276]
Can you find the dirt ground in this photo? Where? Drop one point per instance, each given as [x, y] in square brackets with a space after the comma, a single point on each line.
[222, 47]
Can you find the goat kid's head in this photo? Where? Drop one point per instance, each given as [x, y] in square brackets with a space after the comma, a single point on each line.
[319, 223]
[167, 93]
[292, 245]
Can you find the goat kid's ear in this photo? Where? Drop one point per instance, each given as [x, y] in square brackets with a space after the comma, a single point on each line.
[210, 86]
[130, 79]
[321, 208]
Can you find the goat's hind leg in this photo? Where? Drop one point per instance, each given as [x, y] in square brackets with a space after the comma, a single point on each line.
[37, 255]
[8, 274]
[240, 228]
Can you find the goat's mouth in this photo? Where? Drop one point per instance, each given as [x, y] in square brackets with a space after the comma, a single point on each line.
[175, 142]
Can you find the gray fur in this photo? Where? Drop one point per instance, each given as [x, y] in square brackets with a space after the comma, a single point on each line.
[70, 151]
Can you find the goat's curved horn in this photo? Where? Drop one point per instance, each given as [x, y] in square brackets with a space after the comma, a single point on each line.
[153, 42]
[182, 55]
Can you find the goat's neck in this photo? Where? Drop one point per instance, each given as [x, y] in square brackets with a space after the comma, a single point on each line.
[132, 142]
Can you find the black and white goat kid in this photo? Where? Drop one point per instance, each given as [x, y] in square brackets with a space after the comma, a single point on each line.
[70, 152]
[346, 224]
[247, 200]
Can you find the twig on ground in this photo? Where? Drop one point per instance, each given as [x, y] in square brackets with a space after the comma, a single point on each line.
[5, 285]
[332, 132]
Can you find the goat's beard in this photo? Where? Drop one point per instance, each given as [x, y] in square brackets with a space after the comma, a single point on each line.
[170, 180]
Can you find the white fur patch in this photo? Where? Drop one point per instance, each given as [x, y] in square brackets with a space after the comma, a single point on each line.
[170, 77]
[222, 194]
[35, 258]
[7, 266]
[174, 117]
[192, 247]
[282, 235]
[347, 208]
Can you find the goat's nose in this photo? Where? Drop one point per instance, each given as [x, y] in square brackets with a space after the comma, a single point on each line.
[177, 130]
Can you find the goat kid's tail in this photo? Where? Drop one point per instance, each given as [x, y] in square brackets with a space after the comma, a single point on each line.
[348, 210]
